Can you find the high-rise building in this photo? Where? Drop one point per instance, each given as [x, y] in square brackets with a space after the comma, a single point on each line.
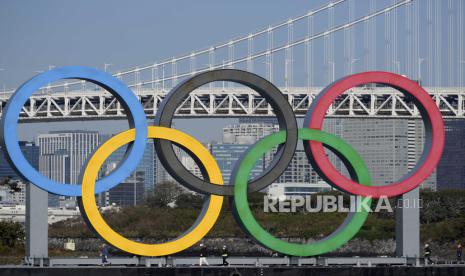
[238, 138]
[9, 196]
[451, 168]
[161, 175]
[132, 190]
[389, 147]
[247, 133]
[300, 178]
[31, 153]
[258, 120]
[416, 137]
[190, 164]
[382, 144]
[228, 155]
[299, 170]
[62, 155]
[146, 165]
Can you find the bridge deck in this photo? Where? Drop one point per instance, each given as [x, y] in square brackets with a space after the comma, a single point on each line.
[379, 102]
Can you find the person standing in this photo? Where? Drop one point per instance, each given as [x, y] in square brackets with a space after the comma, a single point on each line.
[203, 255]
[459, 252]
[427, 254]
[104, 254]
[224, 255]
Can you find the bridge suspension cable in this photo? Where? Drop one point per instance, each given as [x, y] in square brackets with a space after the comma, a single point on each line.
[229, 45]
[293, 44]
[157, 71]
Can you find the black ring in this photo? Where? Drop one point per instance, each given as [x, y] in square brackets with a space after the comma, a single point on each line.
[267, 90]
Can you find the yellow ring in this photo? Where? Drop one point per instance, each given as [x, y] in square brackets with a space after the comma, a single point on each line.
[193, 235]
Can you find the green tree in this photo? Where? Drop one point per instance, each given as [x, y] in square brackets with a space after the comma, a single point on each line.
[163, 194]
[12, 184]
[11, 233]
[189, 201]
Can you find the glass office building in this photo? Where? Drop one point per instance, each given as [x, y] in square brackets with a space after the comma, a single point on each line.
[132, 191]
[451, 168]
[31, 153]
[146, 165]
[228, 155]
[62, 155]
[389, 147]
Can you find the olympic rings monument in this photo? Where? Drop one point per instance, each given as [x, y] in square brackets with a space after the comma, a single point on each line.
[314, 140]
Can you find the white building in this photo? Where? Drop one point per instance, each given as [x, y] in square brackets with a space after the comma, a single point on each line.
[17, 213]
[247, 133]
[287, 190]
[62, 156]
[9, 196]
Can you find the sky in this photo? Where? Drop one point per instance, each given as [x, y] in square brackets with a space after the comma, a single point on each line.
[37, 34]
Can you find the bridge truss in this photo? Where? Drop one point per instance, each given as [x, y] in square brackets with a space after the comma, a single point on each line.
[238, 102]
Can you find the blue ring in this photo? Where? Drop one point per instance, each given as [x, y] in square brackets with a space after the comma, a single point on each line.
[126, 97]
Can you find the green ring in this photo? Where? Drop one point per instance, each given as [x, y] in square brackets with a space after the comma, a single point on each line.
[342, 235]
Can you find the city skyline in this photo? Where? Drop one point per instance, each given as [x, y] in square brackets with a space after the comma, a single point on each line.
[390, 149]
[350, 60]
[406, 137]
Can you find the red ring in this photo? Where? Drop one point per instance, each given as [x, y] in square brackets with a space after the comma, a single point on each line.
[321, 105]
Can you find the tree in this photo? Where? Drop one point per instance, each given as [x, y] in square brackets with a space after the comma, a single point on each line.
[163, 194]
[12, 184]
[189, 201]
[11, 233]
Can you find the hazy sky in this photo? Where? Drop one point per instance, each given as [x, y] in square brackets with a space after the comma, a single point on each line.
[36, 34]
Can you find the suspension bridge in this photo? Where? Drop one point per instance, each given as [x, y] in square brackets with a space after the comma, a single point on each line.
[299, 56]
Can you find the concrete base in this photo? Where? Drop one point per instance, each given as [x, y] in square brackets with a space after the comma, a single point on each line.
[243, 271]
[36, 223]
[408, 224]
[238, 261]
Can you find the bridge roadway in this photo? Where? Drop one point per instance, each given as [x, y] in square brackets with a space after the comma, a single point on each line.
[370, 102]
